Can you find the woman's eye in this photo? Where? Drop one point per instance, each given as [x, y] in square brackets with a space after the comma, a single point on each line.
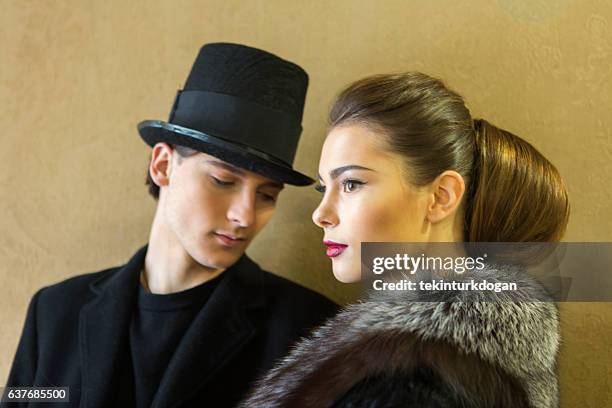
[320, 188]
[348, 186]
[220, 182]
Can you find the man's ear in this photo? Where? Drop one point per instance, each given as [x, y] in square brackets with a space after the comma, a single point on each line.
[448, 189]
[161, 163]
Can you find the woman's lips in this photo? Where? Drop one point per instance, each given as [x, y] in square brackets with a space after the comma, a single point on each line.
[334, 249]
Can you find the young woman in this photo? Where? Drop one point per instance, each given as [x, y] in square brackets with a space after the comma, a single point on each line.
[404, 161]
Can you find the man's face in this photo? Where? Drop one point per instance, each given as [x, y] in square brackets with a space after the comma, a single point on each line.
[215, 209]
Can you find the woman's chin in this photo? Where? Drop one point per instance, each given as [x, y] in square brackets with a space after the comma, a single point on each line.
[346, 276]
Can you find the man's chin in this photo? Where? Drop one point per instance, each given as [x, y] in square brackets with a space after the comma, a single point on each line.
[222, 261]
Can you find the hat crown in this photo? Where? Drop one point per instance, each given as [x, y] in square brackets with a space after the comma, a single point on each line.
[251, 74]
[242, 105]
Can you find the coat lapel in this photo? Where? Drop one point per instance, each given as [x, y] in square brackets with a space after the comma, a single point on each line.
[103, 329]
[219, 331]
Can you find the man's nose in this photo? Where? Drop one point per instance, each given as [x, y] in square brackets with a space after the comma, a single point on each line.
[242, 209]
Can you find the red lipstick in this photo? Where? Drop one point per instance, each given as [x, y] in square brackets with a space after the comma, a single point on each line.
[333, 248]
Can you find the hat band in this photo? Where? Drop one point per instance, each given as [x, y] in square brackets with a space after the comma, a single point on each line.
[238, 120]
[203, 137]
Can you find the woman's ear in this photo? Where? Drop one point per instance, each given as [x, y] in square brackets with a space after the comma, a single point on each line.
[160, 165]
[448, 189]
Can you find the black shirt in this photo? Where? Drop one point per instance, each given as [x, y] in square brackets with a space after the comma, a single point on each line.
[156, 329]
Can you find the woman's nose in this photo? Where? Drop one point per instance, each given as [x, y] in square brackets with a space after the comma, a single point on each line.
[324, 215]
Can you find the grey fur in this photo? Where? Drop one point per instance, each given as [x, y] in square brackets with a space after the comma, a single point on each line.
[509, 330]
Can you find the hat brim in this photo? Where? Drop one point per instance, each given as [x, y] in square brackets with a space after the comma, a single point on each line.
[156, 131]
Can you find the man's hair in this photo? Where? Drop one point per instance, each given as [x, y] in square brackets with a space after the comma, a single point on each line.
[183, 152]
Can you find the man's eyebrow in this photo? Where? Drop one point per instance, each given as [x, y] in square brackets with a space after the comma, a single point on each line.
[280, 186]
[338, 171]
[226, 166]
[241, 172]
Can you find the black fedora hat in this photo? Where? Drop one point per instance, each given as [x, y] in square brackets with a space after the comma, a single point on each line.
[242, 105]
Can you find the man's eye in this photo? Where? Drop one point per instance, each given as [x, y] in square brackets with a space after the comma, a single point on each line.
[348, 186]
[320, 188]
[220, 182]
[267, 197]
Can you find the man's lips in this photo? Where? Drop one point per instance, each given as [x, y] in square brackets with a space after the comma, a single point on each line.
[334, 248]
[228, 239]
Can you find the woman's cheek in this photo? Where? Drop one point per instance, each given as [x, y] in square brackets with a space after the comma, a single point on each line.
[376, 220]
[357, 217]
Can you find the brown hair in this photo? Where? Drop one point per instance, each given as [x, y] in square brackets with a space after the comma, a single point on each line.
[513, 193]
[183, 152]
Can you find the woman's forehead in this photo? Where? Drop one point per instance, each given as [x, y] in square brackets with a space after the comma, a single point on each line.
[355, 145]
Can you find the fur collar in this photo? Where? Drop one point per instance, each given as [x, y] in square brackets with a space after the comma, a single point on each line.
[386, 334]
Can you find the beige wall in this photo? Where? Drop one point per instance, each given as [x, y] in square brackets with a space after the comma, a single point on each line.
[77, 76]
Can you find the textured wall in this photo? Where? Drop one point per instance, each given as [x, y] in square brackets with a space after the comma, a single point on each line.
[76, 77]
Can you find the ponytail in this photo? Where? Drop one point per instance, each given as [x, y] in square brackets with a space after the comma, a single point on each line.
[516, 194]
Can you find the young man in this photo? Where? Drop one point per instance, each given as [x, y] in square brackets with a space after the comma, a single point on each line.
[190, 320]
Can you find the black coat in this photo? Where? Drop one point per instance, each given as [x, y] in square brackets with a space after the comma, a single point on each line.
[76, 335]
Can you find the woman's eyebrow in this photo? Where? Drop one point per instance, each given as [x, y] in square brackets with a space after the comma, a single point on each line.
[339, 170]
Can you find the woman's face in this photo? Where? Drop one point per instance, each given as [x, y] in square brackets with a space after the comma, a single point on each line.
[366, 198]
